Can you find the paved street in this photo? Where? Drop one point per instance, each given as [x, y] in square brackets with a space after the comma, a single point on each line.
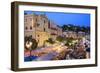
[59, 52]
[48, 53]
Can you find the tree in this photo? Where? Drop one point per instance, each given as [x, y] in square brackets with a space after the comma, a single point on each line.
[30, 44]
[60, 39]
[50, 40]
[68, 41]
[29, 40]
[69, 27]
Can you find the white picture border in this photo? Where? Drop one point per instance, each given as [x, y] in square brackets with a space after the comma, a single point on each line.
[34, 64]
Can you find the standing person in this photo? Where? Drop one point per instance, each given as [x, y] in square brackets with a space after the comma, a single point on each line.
[81, 54]
[87, 51]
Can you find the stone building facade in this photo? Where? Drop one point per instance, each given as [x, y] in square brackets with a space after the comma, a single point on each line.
[72, 34]
[29, 25]
[37, 27]
[41, 29]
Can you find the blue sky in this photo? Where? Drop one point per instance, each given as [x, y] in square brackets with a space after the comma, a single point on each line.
[59, 18]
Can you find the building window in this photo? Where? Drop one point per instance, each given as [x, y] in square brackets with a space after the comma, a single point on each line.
[26, 28]
[44, 21]
[38, 24]
[30, 19]
[49, 24]
[30, 27]
[36, 19]
[38, 35]
[44, 29]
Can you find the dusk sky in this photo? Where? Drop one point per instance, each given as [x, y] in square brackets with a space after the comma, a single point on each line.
[66, 18]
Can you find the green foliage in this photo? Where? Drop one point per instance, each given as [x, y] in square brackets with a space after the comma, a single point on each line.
[71, 27]
[34, 42]
[60, 39]
[68, 41]
[50, 40]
